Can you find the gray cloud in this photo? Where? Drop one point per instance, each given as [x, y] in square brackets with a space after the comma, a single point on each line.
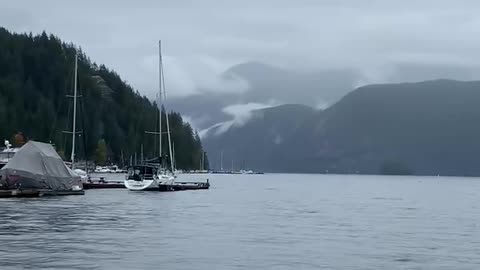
[204, 38]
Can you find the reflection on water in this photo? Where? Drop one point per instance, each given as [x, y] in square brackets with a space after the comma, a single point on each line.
[252, 222]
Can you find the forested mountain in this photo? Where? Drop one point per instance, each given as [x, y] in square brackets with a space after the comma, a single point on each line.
[252, 145]
[425, 128]
[36, 74]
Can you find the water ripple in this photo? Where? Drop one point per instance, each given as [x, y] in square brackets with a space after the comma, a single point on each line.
[326, 222]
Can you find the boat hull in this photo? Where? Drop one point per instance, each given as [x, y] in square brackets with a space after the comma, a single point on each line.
[17, 185]
[143, 185]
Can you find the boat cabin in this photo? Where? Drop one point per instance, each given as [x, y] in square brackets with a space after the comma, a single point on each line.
[141, 172]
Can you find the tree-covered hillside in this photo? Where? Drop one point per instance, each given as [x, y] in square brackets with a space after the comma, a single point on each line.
[36, 75]
[424, 128]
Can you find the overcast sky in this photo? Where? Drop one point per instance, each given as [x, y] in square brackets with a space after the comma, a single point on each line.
[203, 38]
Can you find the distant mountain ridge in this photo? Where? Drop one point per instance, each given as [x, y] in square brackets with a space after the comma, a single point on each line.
[317, 87]
[266, 84]
[430, 128]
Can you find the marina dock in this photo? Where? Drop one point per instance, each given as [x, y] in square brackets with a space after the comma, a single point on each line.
[37, 193]
[102, 183]
[180, 186]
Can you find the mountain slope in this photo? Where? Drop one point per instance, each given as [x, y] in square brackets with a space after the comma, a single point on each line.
[429, 128]
[266, 84]
[251, 144]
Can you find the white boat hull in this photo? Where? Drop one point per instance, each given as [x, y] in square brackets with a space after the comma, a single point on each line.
[143, 185]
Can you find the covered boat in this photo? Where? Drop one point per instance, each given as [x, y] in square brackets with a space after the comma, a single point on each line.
[37, 169]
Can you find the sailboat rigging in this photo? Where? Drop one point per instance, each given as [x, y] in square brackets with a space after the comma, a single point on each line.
[83, 174]
[150, 177]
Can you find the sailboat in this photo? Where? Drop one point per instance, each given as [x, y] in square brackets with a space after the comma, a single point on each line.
[83, 175]
[154, 176]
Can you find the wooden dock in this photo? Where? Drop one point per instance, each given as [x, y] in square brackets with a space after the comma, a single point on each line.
[180, 186]
[37, 193]
[103, 184]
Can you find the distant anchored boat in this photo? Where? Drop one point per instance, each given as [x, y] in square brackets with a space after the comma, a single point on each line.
[37, 170]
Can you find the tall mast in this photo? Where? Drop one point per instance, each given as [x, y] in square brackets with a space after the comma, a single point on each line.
[174, 161]
[72, 157]
[160, 103]
[166, 112]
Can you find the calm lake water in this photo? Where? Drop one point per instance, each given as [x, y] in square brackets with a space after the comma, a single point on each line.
[271, 221]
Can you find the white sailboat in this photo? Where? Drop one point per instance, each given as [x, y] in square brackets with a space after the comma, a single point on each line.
[166, 177]
[83, 175]
[149, 177]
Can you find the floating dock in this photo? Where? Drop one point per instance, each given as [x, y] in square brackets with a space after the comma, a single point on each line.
[175, 186]
[236, 172]
[180, 186]
[103, 184]
[37, 193]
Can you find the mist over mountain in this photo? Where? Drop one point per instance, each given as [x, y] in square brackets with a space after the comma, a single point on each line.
[428, 127]
[266, 85]
[319, 89]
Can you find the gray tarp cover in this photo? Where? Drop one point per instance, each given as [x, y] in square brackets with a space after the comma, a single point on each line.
[40, 161]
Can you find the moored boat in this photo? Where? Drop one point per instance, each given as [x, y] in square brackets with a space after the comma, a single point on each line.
[38, 170]
[142, 178]
[154, 176]
[157, 176]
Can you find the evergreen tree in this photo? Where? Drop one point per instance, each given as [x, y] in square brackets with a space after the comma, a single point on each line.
[36, 73]
[101, 152]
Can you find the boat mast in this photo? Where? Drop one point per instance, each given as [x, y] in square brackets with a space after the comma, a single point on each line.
[166, 113]
[174, 161]
[72, 157]
[160, 103]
